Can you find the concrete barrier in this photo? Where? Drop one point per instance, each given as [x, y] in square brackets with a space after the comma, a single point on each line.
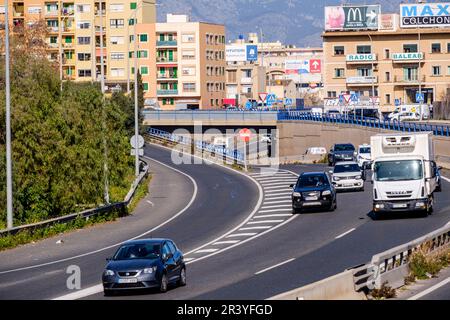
[338, 287]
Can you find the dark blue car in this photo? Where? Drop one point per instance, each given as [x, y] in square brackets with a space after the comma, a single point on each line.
[313, 190]
[143, 264]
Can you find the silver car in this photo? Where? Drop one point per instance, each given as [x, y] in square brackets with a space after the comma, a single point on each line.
[348, 176]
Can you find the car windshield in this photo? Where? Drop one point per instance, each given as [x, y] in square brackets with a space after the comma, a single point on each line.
[344, 147]
[341, 168]
[398, 170]
[138, 251]
[364, 150]
[312, 181]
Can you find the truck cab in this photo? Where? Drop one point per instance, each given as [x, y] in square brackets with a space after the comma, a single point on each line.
[404, 174]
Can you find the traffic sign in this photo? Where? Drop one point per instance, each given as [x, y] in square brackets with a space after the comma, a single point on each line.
[288, 102]
[315, 66]
[140, 143]
[140, 152]
[354, 97]
[420, 97]
[271, 99]
[245, 135]
[347, 97]
[248, 105]
[341, 99]
[262, 96]
[397, 102]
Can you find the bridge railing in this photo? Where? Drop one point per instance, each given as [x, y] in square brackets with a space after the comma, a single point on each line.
[438, 130]
[211, 115]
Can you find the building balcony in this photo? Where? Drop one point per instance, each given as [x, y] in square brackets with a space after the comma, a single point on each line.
[166, 76]
[167, 43]
[69, 62]
[166, 60]
[407, 57]
[361, 58]
[53, 29]
[18, 14]
[246, 80]
[68, 45]
[97, 12]
[67, 12]
[167, 92]
[51, 13]
[68, 30]
[361, 81]
[405, 81]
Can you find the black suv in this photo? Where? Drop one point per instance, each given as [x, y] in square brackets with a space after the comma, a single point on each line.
[341, 152]
[313, 190]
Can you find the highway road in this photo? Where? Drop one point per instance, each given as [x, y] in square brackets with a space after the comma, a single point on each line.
[240, 238]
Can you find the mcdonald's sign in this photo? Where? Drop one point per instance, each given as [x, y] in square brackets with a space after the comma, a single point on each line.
[352, 17]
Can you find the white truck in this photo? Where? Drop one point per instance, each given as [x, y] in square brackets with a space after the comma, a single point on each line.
[404, 173]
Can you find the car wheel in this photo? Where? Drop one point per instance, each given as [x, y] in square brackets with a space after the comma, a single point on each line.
[164, 283]
[109, 293]
[182, 280]
[296, 211]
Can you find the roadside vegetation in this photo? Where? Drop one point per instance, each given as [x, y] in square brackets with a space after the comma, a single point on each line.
[58, 139]
[424, 266]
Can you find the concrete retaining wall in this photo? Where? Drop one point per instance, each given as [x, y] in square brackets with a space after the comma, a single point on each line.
[296, 137]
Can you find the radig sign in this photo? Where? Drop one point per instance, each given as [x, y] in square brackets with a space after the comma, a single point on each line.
[425, 15]
[361, 57]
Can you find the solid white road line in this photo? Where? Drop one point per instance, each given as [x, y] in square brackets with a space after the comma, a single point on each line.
[278, 194]
[280, 187]
[206, 250]
[188, 259]
[287, 178]
[134, 238]
[276, 210]
[277, 206]
[287, 196]
[272, 216]
[241, 235]
[275, 266]
[265, 221]
[82, 293]
[345, 233]
[429, 290]
[280, 201]
[446, 179]
[256, 228]
[218, 243]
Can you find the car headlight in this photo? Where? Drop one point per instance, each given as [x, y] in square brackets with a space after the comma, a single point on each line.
[358, 177]
[150, 270]
[336, 178]
[108, 273]
[297, 194]
[326, 193]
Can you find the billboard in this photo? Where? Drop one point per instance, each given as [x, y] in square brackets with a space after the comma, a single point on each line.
[352, 17]
[303, 66]
[425, 15]
[241, 53]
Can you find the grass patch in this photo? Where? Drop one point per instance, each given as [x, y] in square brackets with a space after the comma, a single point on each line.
[423, 266]
[140, 193]
[385, 292]
[27, 236]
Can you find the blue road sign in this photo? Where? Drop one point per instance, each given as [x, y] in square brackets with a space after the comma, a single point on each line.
[288, 102]
[248, 105]
[354, 97]
[271, 99]
[252, 53]
[397, 102]
[420, 97]
[341, 99]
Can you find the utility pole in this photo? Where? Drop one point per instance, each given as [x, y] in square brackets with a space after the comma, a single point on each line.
[136, 107]
[419, 71]
[9, 198]
[373, 76]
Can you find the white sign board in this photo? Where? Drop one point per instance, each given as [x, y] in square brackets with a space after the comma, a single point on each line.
[425, 15]
[140, 152]
[140, 141]
[236, 53]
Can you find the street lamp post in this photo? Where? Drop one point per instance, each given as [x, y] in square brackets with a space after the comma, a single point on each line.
[9, 202]
[373, 77]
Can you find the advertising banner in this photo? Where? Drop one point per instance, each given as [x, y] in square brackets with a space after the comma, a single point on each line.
[352, 17]
[425, 15]
[297, 66]
[241, 53]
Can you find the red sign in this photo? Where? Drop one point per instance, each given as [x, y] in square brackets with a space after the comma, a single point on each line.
[245, 135]
[263, 96]
[315, 66]
[347, 97]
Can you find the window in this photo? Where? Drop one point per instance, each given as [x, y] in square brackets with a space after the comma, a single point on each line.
[410, 48]
[84, 73]
[339, 73]
[388, 99]
[410, 74]
[145, 84]
[142, 54]
[83, 25]
[245, 73]
[143, 37]
[188, 54]
[188, 71]
[339, 51]
[84, 57]
[132, 22]
[81, 8]
[364, 72]
[133, 5]
[118, 7]
[131, 38]
[52, 8]
[448, 70]
[144, 70]
[189, 87]
[188, 38]
[387, 54]
[68, 40]
[84, 40]
[117, 40]
[117, 72]
[116, 23]
[436, 48]
[212, 102]
[363, 49]
[436, 70]
[117, 55]
[53, 39]
[388, 77]
[331, 94]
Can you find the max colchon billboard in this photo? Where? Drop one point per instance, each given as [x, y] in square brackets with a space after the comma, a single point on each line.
[352, 17]
[425, 15]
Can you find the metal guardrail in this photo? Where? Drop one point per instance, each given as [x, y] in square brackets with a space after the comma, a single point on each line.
[231, 154]
[83, 214]
[211, 115]
[438, 130]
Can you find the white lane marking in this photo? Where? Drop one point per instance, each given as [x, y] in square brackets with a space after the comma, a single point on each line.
[150, 203]
[287, 196]
[278, 193]
[256, 228]
[241, 235]
[277, 206]
[275, 182]
[278, 187]
[280, 201]
[188, 259]
[134, 238]
[275, 266]
[272, 216]
[345, 233]
[207, 250]
[446, 179]
[429, 290]
[281, 179]
[82, 293]
[218, 243]
[265, 221]
[275, 210]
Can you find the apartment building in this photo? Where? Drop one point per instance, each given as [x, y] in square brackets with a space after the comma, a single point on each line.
[74, 30]
[190, 64]
[389, 65]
